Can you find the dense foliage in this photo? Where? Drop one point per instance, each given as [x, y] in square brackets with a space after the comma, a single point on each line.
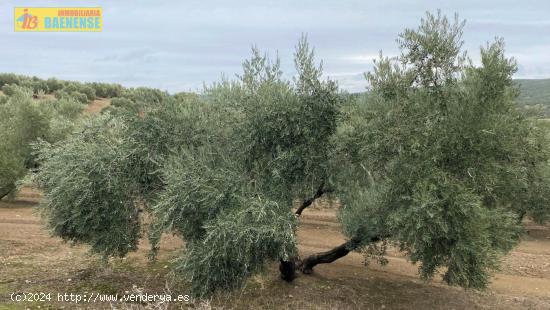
[435, 159]
[100, 213]
[453, 165]
[27, 121]
[32, 116]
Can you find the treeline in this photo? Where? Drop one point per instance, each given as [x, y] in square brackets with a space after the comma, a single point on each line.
[533, 97]
[83, 92]
[11, 83]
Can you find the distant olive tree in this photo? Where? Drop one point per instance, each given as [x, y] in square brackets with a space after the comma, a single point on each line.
[26, 121]
[106, 90]
[435, 160]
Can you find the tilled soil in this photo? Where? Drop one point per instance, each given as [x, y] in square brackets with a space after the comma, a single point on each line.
[33, 261]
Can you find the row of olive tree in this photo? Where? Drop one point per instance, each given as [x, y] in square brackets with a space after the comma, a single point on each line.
[25, 121]
[53, 85]
[435, 159]
[28, 120]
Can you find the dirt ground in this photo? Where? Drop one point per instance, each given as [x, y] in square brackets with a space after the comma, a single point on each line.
[97, 105]
[31, 261]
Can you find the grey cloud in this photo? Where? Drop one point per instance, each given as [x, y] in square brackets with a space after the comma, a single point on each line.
[133, 56]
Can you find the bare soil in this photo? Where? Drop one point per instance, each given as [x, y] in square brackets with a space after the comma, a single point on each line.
[32, 261]
[97, 105]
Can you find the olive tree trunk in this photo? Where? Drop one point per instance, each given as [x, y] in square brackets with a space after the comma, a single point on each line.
[288, 268]
[306, 265]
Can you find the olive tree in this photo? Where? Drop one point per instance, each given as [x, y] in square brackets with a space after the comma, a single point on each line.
[439, 160]
[232, 199]
[206, 167]
[26, 121]
[435, 160]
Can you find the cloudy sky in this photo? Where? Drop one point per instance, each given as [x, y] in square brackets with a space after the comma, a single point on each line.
[178, 45]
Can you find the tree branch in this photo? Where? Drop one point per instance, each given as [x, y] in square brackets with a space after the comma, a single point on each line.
[307, 202]
[306, 265]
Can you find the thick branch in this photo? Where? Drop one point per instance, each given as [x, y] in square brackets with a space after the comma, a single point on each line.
[306, 266]
[327, 257]
[288, 268]
[322, 190]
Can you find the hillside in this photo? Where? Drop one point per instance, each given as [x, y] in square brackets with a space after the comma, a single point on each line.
[535, 93]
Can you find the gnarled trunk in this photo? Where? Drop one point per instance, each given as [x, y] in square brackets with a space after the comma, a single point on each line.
[306, 265]
[288, 268]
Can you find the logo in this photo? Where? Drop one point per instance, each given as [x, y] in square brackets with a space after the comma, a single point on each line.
[58, 19]
[27, 21]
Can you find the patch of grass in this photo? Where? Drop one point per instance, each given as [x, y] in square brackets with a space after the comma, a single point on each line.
[100, 287]
[12, 306]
